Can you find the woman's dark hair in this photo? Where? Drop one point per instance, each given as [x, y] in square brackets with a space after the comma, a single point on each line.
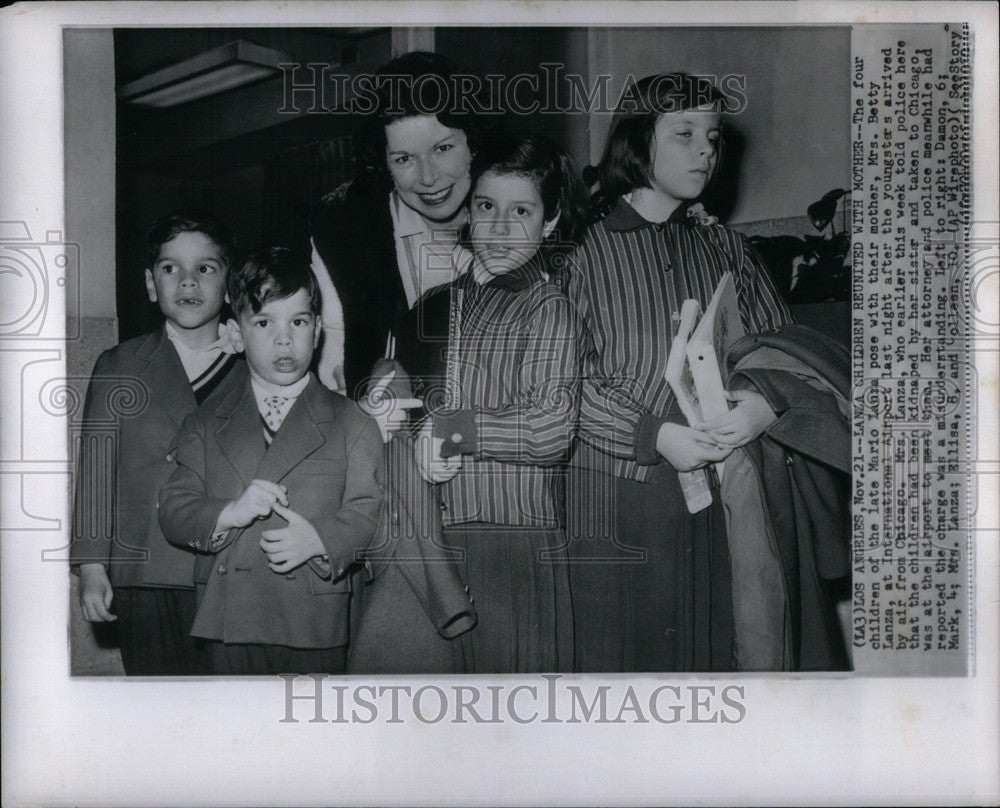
[626, 163]
[272, 274]
[413, 84]
[540, 160]
[189, 221]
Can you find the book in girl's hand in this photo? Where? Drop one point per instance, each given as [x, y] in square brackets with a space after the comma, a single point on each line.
[696, 369]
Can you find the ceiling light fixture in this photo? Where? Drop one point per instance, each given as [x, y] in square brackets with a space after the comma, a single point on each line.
[237, 64]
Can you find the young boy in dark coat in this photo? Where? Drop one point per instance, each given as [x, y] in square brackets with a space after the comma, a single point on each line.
[139, 393]
[279, 484]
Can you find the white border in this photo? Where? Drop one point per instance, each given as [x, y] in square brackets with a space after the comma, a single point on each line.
[804, 740]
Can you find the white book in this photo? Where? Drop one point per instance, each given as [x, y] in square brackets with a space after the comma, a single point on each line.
[696, 368]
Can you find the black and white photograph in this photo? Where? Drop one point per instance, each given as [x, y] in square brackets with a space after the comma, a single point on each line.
[595, 380]
[560, 500]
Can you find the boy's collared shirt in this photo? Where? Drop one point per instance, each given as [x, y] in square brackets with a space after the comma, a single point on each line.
[198, 361]
[275, 400]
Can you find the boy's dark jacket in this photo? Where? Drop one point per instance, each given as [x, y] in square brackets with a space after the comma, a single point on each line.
[803, 464]
[329, 456]
[137, 398]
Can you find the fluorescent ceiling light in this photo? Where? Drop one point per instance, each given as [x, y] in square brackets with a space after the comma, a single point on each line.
[237, 64]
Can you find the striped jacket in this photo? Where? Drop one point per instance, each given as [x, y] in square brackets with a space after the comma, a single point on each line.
[516, 360]
[626, 281]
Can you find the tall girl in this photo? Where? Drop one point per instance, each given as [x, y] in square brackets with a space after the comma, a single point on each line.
[655, 595]
[511, 393]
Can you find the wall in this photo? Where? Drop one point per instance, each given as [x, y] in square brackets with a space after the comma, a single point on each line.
[794, 130]
[89, 135]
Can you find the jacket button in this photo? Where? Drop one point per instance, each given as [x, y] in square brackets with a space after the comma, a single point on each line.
[222, 569]
[290, 576]
[170, 457]
[456, 437]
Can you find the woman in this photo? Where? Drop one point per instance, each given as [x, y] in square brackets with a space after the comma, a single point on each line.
[380, 243]
[387, 238]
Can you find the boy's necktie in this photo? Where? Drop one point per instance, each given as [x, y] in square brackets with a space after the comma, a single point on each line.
[275, 414]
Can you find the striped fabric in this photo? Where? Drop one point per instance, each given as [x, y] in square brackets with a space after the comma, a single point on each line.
[203, 386]
[627, 280]
[518, 372]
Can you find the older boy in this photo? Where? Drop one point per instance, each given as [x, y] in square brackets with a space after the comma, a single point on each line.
[280, 482]
[128, 571]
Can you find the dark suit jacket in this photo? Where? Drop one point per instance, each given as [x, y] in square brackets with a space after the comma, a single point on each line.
[352, 230]
[329, 456]
[137, 398]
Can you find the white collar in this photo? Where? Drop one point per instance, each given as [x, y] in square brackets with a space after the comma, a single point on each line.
[223, 343]
[263, 388]
[405, 220]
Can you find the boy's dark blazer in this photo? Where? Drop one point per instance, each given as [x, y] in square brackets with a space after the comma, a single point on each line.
[329, 456]
[137, 399]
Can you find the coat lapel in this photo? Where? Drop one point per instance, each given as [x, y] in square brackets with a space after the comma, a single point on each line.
[241, 435]
[298, 436]
[164, 377]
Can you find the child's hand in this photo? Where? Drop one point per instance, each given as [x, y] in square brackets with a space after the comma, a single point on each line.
[742, 424]
[389, 412]
[430, 464]
[288, 547]
[687, 449]
[96, 594]
[259, 499]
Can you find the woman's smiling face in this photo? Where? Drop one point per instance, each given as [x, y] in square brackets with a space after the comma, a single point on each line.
[429, 163]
